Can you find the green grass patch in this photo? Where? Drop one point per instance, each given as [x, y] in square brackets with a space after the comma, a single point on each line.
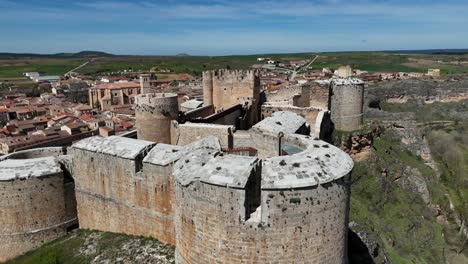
[83, 246]
[15, 69]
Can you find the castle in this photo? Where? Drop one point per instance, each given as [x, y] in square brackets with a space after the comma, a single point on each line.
[273, 193]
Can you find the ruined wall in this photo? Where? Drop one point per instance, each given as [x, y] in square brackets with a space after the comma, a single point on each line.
[347, 104]
[32, 213]
[113, 196]
[319, 95]
[286, 94]
[154, 113]
[184, 134]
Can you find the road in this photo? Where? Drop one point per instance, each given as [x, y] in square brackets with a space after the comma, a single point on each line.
[82, 65]
[295, 72]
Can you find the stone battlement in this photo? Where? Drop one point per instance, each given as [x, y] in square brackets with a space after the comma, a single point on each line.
[223, 74]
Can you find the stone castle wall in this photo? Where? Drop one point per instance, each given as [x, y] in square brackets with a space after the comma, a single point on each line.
[303, 226]
[319, 95]
[226, 88]
[33, 212]
[34, 209]
[297, 95]
[346, 106]
[257, 216]
[113, 196]
[267, 144]
[184, 134]
[154, 113]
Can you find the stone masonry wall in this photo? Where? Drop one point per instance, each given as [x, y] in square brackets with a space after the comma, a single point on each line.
[347, 107]
[307, 225]
[154, 113]
[233, 87]
[112, 196]
[287, 93]
[319, 95]
[187, 133]
[33, 212]
[267, 145]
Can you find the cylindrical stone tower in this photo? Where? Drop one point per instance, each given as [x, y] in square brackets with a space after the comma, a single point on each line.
[285, 209]
[208, 88]
[37, 202]
[154, 113]
[347, 104]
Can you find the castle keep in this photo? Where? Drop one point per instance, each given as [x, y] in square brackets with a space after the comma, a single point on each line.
[226, 88]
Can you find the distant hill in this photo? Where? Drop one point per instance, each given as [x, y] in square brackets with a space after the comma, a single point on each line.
[183, 55]
[81, 54]
[432, 51]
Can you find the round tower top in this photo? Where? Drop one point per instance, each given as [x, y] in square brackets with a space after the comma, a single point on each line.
[151, 98]
[314, 162]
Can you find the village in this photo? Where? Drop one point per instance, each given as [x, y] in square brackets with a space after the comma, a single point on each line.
[65, 109]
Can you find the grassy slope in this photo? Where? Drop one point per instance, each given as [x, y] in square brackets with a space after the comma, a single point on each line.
[398, 218]
[82, 246]
[453, 163]
[388, 210]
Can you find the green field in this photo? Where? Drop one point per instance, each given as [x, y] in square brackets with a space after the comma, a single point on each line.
[370, 61]
[16, 68]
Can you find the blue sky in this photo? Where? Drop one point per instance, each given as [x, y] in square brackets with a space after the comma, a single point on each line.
[222, 27]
